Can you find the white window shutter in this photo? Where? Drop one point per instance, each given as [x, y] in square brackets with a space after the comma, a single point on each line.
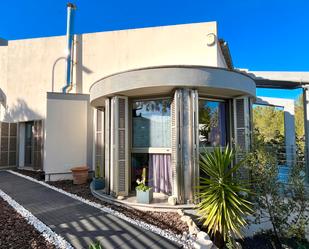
[195, 141]
[99, 141]
[242, 133]
[242, 124]
[8, 142]
[107, 153]
[120, 143]
[176, 147]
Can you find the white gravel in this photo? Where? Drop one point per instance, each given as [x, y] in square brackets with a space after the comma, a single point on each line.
[185, 240]
[46, 232]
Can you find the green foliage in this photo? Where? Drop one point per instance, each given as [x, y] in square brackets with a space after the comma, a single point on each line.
[299, 117]
[222, 205]
[142, 187]
[142, 183]
[98, 171]
[96, 245]
[285, 206]
[268, 120]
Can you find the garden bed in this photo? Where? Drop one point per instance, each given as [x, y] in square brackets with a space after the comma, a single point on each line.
[164, 220]
[17, 233]
[36, 174]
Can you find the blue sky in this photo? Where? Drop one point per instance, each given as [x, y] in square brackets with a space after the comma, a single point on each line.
[262, 35]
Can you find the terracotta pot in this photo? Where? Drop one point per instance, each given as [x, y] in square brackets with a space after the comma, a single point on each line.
[80, 174]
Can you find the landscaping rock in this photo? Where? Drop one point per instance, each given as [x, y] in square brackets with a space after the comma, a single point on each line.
[202, 235]
[238, 245]
[172, 200]
[120, 197]
[193, 229]
[180, 212]
[203, 244]
[185, 218]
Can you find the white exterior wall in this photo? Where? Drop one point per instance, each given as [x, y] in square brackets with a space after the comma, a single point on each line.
[112, 52]
[29, 68]
[32, 66]
[67, 135]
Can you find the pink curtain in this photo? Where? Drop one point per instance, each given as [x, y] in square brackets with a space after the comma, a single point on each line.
[160, 173]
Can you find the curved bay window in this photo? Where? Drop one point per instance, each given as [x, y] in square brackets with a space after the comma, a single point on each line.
[151, 143]
[212, 123]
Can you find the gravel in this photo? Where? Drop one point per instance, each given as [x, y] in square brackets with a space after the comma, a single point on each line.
[16, 233]
[164, 220]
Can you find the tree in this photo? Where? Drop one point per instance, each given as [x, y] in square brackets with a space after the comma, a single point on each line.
[269, 121]
[285, 206]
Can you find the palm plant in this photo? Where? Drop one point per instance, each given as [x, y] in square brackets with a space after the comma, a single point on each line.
[222, 206]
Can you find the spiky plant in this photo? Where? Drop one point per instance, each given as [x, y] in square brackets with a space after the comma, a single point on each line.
[222, 206]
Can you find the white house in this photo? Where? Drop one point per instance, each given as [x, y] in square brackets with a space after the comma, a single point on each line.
[141, 98]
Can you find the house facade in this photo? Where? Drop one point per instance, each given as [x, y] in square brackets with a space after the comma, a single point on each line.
[148, 98]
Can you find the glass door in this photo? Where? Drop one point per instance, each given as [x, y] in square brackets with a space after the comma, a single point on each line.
[28, 144]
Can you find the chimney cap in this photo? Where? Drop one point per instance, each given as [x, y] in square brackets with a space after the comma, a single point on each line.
[71, 5]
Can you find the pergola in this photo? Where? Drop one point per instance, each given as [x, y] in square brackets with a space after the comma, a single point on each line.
[289, 81]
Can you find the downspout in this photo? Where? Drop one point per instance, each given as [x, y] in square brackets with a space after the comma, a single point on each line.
[69, 37]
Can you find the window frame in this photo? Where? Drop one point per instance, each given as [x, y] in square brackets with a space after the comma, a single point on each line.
[227, 121]
[148, 150]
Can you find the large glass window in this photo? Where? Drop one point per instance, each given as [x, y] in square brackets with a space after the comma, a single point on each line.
[151, 142]
[212, 123]
[151, 123]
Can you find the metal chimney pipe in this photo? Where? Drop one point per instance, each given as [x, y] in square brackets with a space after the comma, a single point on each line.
[69, 37]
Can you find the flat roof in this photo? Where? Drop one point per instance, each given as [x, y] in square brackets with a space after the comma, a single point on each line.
[279, 79]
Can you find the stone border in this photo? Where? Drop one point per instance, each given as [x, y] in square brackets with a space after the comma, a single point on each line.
[185, 239]
[44, 230]
[202, 239]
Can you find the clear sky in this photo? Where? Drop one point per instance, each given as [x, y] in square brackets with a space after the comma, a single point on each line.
[262, 35]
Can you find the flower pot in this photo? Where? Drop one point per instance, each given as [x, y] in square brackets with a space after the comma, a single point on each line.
[144, 196]
[98, 183]
[80, 174]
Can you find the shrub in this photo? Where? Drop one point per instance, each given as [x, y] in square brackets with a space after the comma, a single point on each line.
[222, 206]
[284, 205]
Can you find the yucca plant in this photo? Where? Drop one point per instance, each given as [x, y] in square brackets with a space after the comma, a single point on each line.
[222, 205]
[96, 245]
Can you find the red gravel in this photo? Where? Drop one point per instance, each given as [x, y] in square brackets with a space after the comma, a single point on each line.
[164, 220]
[16, 233]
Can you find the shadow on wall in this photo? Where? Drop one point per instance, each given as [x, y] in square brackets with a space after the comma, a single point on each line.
[2, 98]
[77, 67]
[53, 72]
[20, 112]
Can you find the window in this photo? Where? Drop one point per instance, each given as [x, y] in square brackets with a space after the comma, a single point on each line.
[212, 123]
[151, 142]
[151, 124]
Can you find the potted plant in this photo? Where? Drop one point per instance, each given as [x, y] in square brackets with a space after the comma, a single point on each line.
[144, 193]
[98, 181]
[80, 174]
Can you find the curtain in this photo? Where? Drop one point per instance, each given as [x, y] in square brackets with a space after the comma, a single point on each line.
[160, 173]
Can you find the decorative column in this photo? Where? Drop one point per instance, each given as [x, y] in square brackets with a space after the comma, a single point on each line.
[306, 126]
[185, 145]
